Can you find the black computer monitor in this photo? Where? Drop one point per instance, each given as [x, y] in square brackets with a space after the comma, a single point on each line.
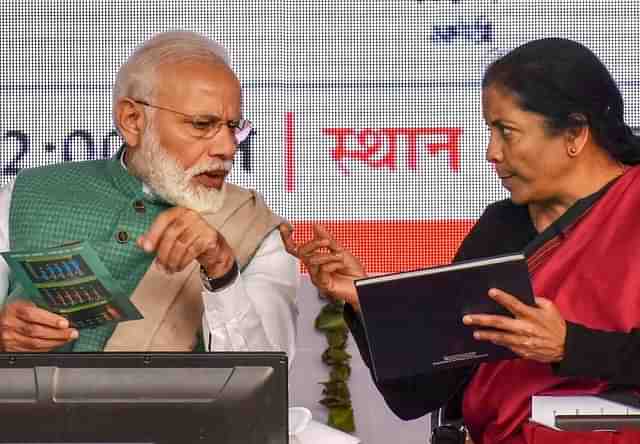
[179, 398]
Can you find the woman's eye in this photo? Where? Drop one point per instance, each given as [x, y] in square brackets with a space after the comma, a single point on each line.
[506, 132]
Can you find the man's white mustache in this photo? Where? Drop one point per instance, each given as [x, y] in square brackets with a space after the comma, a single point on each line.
[220, 165]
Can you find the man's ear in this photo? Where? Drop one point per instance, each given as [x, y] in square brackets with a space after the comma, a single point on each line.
[130, 120]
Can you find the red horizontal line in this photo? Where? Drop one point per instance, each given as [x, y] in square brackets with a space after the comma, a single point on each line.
[391, 246]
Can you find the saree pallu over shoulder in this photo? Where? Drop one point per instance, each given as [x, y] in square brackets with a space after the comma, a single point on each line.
[589, 270]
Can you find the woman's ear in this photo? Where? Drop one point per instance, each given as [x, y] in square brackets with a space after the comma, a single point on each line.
[576, 138]
[130, 120]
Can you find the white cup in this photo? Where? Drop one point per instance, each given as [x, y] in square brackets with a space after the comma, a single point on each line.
[299, 418]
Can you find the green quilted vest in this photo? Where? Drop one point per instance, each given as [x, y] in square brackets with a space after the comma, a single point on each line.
[95, 201]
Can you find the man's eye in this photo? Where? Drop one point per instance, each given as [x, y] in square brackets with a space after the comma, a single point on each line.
[202, 124]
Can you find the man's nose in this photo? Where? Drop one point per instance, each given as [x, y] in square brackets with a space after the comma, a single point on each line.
[224, 143]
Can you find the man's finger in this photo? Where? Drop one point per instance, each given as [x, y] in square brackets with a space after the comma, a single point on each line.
[174, 254]
[38, 331]
[510, 302]
[26, 344]
[189, 255]
[187, 247]
[149, 240]
[29, 313]
[197, 246]
[174, 241]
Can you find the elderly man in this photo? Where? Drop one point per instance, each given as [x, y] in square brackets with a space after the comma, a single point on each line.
[199, 257]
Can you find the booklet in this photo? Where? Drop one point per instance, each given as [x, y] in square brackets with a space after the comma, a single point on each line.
[71, 281]
[413, 320]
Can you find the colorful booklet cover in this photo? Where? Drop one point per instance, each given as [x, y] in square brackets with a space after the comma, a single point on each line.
[413, 320]
[71, 281]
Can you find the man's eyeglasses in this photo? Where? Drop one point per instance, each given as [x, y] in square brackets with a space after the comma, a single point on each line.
[206, 126]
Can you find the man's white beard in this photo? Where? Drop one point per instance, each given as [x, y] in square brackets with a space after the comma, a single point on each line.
[169, 180]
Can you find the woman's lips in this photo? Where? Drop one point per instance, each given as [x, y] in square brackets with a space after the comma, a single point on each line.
[506, 180]
[504, 174]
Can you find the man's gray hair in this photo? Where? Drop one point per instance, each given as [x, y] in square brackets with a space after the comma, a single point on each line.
[136, 78]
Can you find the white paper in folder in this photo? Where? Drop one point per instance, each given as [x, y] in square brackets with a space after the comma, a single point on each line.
[544, 409]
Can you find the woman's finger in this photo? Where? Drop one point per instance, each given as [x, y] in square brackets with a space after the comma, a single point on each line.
[311, 246]
[321, 259]
[511, 303]
[320, 232]
[286, 234]
[497, 322]
[506, 339]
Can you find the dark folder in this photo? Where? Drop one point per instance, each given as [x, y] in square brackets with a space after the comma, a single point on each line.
[413, 320]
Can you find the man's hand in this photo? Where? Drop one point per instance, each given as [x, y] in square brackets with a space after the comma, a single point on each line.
[27, 328]
[536, 333]
[332, 268]
[179, 236]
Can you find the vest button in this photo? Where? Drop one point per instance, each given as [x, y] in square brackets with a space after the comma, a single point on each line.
[122, 237]
[138, 205]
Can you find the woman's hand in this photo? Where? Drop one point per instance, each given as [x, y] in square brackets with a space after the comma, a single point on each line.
[536, 333]
[332, 268]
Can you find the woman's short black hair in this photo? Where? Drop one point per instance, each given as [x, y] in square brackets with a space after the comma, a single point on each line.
[567, 84]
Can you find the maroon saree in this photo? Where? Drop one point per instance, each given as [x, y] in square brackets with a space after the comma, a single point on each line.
[591, 271]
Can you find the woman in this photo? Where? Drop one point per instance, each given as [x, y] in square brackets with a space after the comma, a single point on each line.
[562, 150]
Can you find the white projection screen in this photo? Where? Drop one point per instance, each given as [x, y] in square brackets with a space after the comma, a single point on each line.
[367, 113]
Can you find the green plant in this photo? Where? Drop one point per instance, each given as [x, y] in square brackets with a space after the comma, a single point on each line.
[337, 397]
